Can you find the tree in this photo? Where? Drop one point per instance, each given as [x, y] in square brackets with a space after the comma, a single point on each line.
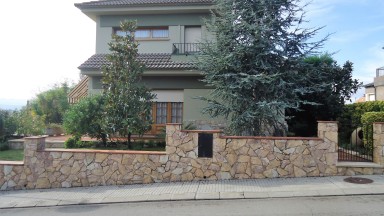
[330, 101]
[86, 118]
[52, 104]
[255, 64]
[2, 125]
[29, 122]
[128, 101]
[8, 123]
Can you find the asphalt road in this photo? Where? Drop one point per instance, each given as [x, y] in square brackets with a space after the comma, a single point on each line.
[335, 205]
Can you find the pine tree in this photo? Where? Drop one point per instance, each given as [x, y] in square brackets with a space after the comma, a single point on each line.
[128, 101]
[255, 64]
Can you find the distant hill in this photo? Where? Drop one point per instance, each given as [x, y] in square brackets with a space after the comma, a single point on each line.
[12, 104]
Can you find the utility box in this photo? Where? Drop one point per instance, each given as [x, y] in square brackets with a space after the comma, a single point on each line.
[205, 145]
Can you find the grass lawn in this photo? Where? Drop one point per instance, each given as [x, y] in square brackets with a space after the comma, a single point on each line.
[12, 155]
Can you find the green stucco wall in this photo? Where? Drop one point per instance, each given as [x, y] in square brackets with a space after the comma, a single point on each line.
[175, 22]
[192, 106]
[154, 19]
[169, 82]
[160, 83]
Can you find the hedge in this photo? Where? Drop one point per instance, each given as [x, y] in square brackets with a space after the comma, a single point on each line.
[351, 116]
[367, 119]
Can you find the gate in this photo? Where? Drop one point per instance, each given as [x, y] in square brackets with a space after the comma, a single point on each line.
[355, 142]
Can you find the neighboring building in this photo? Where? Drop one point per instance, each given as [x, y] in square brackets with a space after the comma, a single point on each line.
[375, 91]
[168, 34]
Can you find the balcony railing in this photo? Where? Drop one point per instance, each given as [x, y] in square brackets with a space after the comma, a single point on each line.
[185, 48]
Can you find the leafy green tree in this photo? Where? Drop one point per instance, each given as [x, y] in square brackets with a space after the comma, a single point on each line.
[255, 64]
[2, 125]
[52, 104]
[128, 101]
[86, 118]
[8, 123]
[330, 101]
[29, 123]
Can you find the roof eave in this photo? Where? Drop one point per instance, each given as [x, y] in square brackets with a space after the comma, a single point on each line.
[82, 6]
[93, 12]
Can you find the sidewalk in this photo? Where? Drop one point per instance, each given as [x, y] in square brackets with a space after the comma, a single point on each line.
[202, 190]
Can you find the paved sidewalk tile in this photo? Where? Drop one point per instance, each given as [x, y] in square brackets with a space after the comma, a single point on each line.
[256, 195]
[305, 193]
[67, 202]
[160, 197]
[26, 203]
[279, 194]
[355, 191]
[124, 199]
[43, 203]
[197, 190]
[205, 196]
[330, 192]
[91, 201]
[231, 195]
[183, 196]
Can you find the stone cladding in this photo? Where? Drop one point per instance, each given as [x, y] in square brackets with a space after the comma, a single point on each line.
[233, 158]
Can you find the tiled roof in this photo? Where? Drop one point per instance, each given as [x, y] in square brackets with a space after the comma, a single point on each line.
[151, 61]
[128, 3]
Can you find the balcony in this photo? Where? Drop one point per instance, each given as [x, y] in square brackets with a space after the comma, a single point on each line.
[185, 48]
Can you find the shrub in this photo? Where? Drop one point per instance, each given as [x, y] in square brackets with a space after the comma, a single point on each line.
[85, 118]
[353, 112]
[4, 146]
[161, 144]
[368, 119]
[56, 129]
[351, 117]
[189, 126]
[71, 142]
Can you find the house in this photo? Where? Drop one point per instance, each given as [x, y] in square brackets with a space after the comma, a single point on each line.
[375, 90]
[168, 34]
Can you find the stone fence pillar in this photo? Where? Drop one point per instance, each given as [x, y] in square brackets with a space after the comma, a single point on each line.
[32, 145]
[378, 143]
[327, 130]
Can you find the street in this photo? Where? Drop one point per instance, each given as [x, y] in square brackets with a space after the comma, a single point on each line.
[333, 205]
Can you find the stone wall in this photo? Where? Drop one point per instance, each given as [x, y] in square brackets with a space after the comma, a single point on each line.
[19, 144]
[232, 158]
[254, 157]
[55, 168]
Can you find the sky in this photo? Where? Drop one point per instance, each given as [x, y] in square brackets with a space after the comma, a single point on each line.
[57, 37]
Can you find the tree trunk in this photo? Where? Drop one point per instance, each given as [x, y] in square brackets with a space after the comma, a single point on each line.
[129, 141]
[104, 139]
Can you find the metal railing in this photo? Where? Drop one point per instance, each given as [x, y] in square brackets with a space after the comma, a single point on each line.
[353, 146]
[185, 48]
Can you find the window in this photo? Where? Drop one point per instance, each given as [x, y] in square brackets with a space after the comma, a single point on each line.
[147, 33]
[371, 97]
[168, 112]
[142, 33]
[161, 113]
[120, 32]
[177, 113]
[152, 33]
